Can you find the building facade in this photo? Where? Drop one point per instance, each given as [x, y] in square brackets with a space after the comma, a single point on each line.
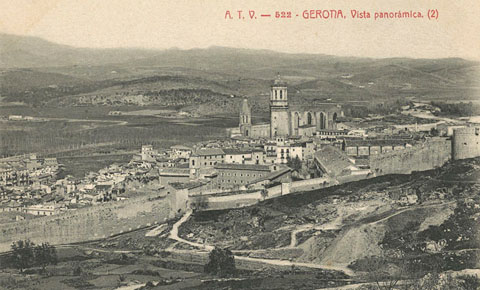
[285, 120]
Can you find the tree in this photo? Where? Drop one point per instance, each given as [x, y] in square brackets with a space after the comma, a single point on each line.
[434, 132]
[221, 262]
[22, 256]
[436, 281]
[200, 202]
[384, 272]
[264, 193]
[295, 163]
[45, 255]
[469, 282]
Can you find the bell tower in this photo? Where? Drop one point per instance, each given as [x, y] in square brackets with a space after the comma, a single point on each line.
[279, 117]
[245, 119]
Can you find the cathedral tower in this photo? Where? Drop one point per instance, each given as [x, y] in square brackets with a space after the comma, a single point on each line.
[279, 116]
[245, 119]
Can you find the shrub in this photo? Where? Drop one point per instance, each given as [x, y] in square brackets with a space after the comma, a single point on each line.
[221, 262]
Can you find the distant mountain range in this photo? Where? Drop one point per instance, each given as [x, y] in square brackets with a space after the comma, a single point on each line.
[24, 51]
[30, 63]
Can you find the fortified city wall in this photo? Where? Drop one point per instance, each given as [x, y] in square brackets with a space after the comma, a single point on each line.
[430, 154]
[91, 223]
[466, 143]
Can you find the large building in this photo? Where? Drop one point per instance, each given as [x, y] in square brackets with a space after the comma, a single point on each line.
[285, 120]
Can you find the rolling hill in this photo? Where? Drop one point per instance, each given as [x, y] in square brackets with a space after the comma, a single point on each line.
[35, 70]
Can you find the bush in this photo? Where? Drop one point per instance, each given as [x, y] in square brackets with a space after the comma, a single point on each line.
[22, 256]
[25, 255]
[221, 262]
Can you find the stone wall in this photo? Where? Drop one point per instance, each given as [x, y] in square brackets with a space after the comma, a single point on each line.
[430, 154]
[91, 223]
[466, 143]
[229, 201]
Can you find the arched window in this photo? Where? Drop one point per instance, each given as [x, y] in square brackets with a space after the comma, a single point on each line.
[309, 118]
[322, 120]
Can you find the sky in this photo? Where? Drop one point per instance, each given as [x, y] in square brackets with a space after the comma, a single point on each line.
[202, 23]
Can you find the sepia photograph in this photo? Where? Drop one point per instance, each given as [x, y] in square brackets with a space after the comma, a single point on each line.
[208, 144]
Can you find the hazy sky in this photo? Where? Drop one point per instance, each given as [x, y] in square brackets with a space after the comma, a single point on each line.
[202, 23]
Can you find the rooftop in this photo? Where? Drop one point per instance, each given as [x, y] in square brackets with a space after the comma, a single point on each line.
[251, 167]
[273, 175]
[209, 152]
[232, 151]
[181, 147]
[279, 82]
[333, 160]
[173, 171]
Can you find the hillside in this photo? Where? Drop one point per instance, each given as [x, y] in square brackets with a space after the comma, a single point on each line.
[436, 232]
[26, 52]
[40, 72]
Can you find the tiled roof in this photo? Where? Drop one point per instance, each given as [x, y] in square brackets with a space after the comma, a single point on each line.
[272, 175]
[181, 147]
[209, 151]
[232, 151]
[253, 167]
[175, 171]
[333, 160]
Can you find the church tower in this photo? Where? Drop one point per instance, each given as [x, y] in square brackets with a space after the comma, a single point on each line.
[245, 119]
[279, 117]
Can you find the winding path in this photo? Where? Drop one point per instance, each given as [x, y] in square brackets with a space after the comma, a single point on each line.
[174, 235]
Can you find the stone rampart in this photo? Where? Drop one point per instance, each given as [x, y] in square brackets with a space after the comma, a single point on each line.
[90, 223]
[466, 143]
[428, 155]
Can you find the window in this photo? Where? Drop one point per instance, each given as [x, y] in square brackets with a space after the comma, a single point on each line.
[281, 94]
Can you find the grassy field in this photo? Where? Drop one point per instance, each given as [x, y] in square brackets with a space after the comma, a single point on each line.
[64, 131]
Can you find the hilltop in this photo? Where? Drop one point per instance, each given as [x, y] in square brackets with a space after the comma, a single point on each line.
[41, 72]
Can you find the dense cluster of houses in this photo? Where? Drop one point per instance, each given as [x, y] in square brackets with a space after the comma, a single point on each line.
[31, 186]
